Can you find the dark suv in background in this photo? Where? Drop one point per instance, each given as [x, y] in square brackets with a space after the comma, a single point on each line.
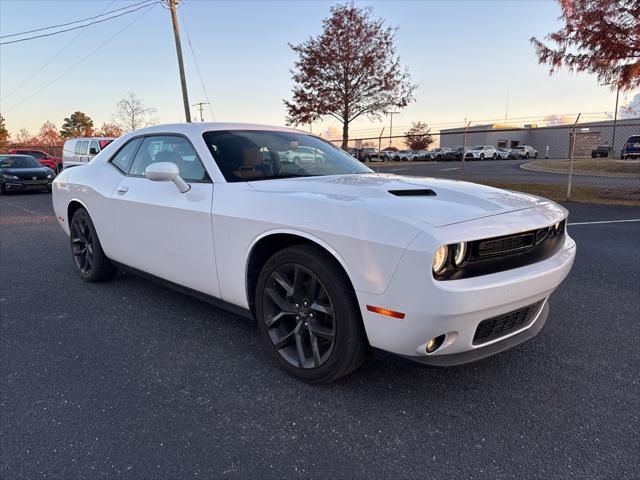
[631, 148]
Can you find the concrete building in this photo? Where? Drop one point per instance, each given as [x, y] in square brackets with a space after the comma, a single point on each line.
[552, 141]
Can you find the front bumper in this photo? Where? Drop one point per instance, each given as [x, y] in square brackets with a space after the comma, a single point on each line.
[19, 186]
[455, 308]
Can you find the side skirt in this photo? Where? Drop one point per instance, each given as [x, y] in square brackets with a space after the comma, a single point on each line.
[215, 301]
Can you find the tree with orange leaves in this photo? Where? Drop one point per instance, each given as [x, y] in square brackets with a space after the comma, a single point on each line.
[109, 130]
[49, 135]
[600, 37]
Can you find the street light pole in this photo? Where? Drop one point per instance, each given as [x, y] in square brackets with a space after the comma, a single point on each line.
[173, 4]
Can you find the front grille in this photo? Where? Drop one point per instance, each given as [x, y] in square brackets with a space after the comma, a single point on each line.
[505, 245]
[502, 325]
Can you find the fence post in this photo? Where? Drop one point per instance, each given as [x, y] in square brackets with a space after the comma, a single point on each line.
[464, 146]
[573, 149]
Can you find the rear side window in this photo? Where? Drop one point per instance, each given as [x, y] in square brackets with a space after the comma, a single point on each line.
[166, 148]
[123, 159]
[81, 147]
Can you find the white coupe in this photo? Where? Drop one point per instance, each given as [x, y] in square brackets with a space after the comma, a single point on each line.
[332, 260]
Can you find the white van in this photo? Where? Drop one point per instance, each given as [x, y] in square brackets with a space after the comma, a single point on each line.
[79, 151]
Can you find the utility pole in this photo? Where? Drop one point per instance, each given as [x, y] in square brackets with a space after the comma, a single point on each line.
[391, 126]
[173, 4]
[200, 106]
[615, 123]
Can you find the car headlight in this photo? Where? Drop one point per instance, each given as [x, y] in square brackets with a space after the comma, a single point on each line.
[49, 176]
[440, 259]
[460, 254]
[10, 177]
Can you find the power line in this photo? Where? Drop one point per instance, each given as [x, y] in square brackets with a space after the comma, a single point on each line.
[76, 21]
[195, 61]
[149, 8]
[44, 65]
[80, 26]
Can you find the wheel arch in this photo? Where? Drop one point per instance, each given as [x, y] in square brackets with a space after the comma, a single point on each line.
[267, 244]
[73, 205]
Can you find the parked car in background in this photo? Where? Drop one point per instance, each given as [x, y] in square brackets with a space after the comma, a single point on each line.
[411, 155]
[23, 172]
[453, 154]
[526, 151]
[601, 151]
[46, 160]
[79, 151]
[303, 155]
[481, 152]
[373, 155]
[329, 259]
[506, 154]
[437, 153]
[631, 148]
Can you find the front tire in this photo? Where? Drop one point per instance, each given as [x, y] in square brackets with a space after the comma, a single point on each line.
[308, 315]
[91, 263]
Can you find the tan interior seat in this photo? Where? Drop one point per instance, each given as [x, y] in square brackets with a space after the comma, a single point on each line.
[251, 159]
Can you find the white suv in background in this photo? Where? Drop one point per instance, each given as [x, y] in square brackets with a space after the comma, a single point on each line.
[526, 151]
[481, 152]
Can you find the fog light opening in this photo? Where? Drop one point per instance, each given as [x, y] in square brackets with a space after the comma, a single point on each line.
[435, 343]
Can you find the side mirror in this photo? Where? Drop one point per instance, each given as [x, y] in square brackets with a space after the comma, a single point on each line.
[166, 172]
[93, 151]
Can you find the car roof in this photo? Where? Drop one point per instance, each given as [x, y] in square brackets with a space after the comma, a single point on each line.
[199, 128]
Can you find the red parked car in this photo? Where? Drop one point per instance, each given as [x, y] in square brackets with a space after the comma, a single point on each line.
[46, 160]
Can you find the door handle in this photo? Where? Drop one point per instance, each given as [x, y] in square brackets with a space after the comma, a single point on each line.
[122, 189]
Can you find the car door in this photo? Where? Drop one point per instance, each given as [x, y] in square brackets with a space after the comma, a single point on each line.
[160, 230]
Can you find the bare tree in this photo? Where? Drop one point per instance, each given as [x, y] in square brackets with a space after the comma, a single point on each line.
[132, 114]
[350, 69]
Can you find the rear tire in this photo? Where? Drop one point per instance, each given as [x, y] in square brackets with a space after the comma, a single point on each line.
[308, 315]
[91, 263]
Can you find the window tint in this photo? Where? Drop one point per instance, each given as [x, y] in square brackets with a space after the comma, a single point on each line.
[95, 146]
[81, 147]
[246, 155]
[124, 157]
[169, 149]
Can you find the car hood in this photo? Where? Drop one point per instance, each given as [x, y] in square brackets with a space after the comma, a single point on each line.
[436, 202]
[27, 172]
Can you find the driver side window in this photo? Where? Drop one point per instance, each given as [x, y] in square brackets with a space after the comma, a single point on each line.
[172, 149]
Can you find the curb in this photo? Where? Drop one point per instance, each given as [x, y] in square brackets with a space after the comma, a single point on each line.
[533, 168]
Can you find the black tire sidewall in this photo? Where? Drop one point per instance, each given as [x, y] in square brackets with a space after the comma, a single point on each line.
[102, 268]
[350, 339]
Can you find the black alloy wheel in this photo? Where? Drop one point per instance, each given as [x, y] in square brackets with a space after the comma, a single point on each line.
[308, 315]
[300, 318]
[88, 256]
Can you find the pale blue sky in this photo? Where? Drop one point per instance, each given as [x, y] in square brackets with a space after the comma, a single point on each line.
[466, 57]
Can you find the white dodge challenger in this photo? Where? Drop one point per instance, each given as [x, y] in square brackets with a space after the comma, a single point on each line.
[332, 260]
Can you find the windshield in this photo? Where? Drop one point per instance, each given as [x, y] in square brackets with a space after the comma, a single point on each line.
[247, 155]
[519, 148]
[477, 147]
[18, 162]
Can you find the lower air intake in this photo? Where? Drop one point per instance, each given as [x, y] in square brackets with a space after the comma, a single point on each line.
[502, 325]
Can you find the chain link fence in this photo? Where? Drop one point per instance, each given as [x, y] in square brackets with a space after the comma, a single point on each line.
[589, 161]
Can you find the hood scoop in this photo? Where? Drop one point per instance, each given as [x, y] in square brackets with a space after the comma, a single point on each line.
[413, 192]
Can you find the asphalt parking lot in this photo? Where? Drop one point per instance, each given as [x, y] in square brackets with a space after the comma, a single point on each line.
[130, 379]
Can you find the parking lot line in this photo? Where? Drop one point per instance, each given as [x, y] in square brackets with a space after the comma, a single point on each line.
[605, 221]
[448, 169]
